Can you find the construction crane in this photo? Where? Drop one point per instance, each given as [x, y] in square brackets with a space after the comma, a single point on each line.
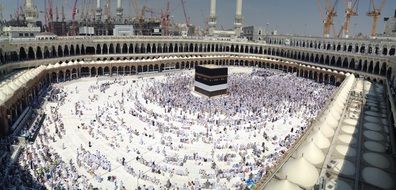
[165, 15]
[328, 20]
[63, 13]
[351, 7]
[82, 13]
[185, 13]
[1, 11]
[375, 14]
[50, 16]
[74, 22]
[57, 13]
[50, 12]
[135, 5]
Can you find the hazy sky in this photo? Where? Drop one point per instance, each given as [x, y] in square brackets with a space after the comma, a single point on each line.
[287, 16]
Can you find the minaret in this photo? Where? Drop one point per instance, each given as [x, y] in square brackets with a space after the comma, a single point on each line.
[31, 13]
[238, 18]
[98, 11]
[212, 17]
[119, 11]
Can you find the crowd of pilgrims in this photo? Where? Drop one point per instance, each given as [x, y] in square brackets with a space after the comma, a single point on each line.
[175, 119]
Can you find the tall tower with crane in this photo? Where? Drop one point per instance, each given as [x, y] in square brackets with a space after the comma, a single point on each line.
[31, 13]
[74, 27]
[187, 19]
[375, 13]
[119, 11]
[328, 19]
[351, 7]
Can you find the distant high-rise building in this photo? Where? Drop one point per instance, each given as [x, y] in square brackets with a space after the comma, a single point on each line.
[390, 26]
[253, 33]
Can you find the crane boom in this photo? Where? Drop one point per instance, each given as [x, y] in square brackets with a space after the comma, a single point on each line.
[350, 10]
[185, 13]
[74, 23]
[375, 14]
[328, 19]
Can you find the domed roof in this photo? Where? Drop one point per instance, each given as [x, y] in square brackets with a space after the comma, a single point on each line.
[320, 140]
[311, 153]
[19, 82]
[293, 169]
[13, 86]
[8, 91]
[3, 96]
[281, 185]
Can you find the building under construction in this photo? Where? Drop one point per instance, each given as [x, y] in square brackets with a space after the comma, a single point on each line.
[95, 18]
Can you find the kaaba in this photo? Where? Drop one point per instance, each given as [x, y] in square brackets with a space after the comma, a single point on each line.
[211, 80]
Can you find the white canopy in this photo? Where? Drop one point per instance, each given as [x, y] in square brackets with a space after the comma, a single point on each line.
[311, 153]
[281, 185]
[320, 140]
[293, 170]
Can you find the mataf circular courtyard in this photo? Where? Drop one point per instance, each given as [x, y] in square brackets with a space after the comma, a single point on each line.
[155, 132]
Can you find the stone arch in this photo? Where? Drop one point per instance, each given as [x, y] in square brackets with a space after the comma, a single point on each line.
[196, 48]
[61, 76]
[345, 63]
[370, 49]
[352, 64]
[170, 48]
[148, 48]
[111, 49]
[130, 50]
[39, 53]
[118, 49]
[100, 71]
[121, 70]
[22, 54]
[339, 62]
[321, 77]
[93, 71]
[72, 51]
[392, 51]
[1, 56]
[359, 66]
[376, 68]
[370, 67]
[124, 48]
[383, 69]
[362, 48]
[30, 53]
[78, 50]
[350, 48]
[98, 49]
[105, 49]
[384, 50]
[66, 51]
[54, 77]
[53, 52]
[389, 73]
[327, 60]
[332, 80]
[316, 58]
[191, 48]
[154, 48]
[46, 52]
[365, 66]
[68, 74]
[321, 60]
